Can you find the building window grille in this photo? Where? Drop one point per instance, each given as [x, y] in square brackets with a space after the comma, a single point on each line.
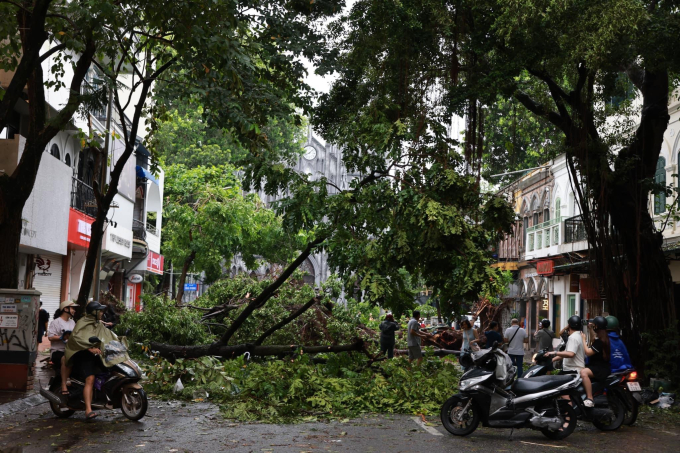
[531, 242]
[539, 240]
[660, 178]
[556, 235]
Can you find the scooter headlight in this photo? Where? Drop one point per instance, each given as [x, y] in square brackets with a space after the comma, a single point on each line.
[467, 383]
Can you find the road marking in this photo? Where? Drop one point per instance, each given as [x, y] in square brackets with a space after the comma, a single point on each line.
[429, 429]
[543, 445]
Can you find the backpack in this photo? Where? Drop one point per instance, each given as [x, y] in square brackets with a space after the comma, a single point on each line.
[619, 360]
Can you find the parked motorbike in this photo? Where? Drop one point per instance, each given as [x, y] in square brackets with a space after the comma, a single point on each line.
[612, 406]
[530, 403]
[115, 387]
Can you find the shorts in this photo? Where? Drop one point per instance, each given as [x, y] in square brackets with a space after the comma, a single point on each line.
[85, 364]
[57, 356]
[600, 373]
[414, 352]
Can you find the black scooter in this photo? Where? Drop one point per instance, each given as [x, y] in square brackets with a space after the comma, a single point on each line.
[529, 403]
[611, 403]
[115, 387]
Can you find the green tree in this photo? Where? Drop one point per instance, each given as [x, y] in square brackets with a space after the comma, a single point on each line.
[207, 220]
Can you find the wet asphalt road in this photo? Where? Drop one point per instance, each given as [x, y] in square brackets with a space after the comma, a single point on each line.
[199, 427]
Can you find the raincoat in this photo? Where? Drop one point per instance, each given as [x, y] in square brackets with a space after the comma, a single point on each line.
[114, 350]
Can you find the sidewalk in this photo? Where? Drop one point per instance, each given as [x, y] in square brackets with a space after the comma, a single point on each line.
[11, 402]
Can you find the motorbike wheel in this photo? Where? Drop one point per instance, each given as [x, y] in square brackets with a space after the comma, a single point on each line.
[570, 419]
[57, 409]
[631, 415]
[618, 408]
[451, 408]
[134, 403]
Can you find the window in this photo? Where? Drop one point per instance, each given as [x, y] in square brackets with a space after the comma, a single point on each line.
[547, 237]
[556, 235]
[67, 159]
[557, 209]
[531, 242]
[660, 178]
[539, 240]
[546, 215]
[54, 150]
[571, 304]
[526, 225]
[535, 219]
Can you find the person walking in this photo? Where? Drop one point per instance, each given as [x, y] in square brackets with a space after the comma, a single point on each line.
[43, 320]
[413, 338]
[544, 336]
[470, 335]
[515, 336]
[598, 354]
[387, 341]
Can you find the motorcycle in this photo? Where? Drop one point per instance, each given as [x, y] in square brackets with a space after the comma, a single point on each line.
[612, 406]
[530, 403]
[115, 387]
[632, 394]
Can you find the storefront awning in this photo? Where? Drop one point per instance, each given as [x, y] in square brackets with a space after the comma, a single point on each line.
[507, 266]
[146, 174]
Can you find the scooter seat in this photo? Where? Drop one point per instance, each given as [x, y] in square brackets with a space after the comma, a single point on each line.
[539, 384]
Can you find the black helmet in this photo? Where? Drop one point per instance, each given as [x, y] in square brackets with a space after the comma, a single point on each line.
[600, 322]
[94, 306]
[575, 323]
[545, 323]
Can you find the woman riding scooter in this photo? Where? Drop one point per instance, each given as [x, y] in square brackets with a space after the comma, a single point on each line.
[82, 355]
[598, 354]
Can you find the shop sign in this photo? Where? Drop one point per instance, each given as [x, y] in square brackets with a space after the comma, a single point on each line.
[9, 321]
[546, 305]
[546, 267]
[136, 278]
[154, 263]
[8, 308]
[43, 264]
[190, 286]
[79, 229]
[119, 240]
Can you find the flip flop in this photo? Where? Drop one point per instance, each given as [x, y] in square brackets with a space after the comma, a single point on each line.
[91, 415]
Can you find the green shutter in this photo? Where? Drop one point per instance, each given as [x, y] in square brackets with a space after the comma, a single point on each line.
[660, 178]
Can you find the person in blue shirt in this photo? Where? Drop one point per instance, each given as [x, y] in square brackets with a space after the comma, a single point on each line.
[492, 335]
[619, 360]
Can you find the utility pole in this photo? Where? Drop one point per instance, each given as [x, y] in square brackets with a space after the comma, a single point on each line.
[102, 182]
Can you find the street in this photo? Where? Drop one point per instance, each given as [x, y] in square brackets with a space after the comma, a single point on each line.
[199, 427]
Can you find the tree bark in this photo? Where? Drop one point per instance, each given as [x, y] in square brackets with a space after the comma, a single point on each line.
[172, 352]
[287, 320]
[183, 276]
[10, 232]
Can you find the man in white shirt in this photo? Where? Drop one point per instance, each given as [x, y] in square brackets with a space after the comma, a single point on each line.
[574, 356]
[515, 336]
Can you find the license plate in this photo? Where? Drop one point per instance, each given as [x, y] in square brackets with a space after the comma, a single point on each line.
[634, 386]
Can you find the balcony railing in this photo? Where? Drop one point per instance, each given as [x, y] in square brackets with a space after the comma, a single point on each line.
[82, 198]
[138, 230]
[151, 229]
[574, 230]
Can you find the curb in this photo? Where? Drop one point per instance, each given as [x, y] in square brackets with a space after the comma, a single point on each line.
[21, 404]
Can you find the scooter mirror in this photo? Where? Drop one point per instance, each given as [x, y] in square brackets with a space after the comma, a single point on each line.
[94, 340]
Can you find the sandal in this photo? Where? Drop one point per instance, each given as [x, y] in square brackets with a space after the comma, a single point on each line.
[588, 402]
[91, 415]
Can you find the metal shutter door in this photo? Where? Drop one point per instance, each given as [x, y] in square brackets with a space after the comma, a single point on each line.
[49, 285]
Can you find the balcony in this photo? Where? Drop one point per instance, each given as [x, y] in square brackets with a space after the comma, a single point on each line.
[544, 235]
[138, 230]
[82, 198]
[152, 229]
[574, 230]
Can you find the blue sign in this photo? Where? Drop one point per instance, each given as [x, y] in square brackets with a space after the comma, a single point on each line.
[190, 286]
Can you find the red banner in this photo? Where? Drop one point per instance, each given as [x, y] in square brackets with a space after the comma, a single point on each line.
[154, 263]
[79, 229]
[546, 267]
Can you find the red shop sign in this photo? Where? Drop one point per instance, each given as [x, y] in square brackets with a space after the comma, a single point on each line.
[546, 267]
[154, 263]
[79, 229]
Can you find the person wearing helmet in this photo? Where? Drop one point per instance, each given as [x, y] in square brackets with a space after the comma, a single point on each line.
[82, 355]
[619, 360]
[544, 336]
[573, 357]
[598, 356]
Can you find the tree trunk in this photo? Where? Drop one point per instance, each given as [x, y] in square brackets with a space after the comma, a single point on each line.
[91, 258]
[183, 276]
[287, 320]
[10, 232]
[172, 352]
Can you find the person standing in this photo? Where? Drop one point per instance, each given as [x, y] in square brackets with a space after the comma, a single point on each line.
[470, 335]
[58, 333]
[387, 341]
[574, 356]
[413, 337]
[43, 320]
[493, 335]
[515, 336]
[544, 336]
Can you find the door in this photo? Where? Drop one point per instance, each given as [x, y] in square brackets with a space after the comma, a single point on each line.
[557, 313]
[571, 305]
